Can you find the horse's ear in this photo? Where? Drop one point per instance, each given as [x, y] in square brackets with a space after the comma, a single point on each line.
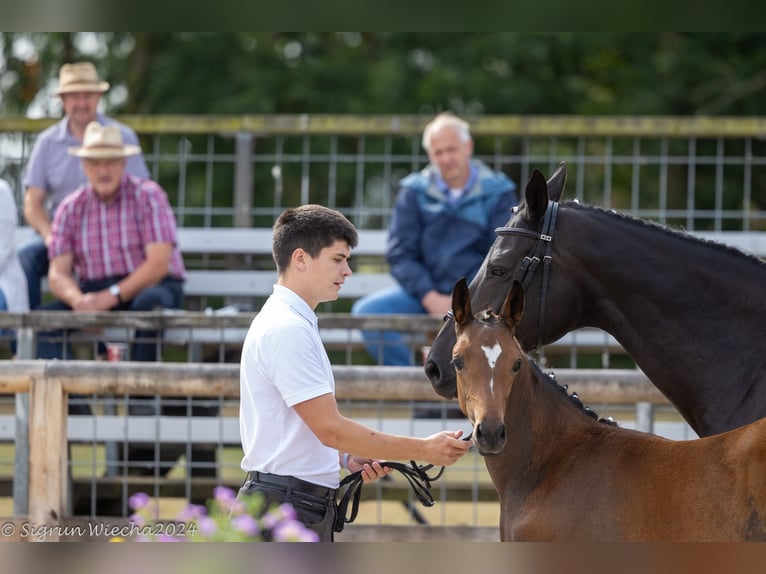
[513, 306]
[461, 303]
[557, 182]
[536, 195]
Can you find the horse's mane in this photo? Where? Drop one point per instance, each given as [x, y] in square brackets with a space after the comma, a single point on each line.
[676, 232]
[573, 398]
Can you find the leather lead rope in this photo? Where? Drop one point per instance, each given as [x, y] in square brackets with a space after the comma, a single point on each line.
[416, 475]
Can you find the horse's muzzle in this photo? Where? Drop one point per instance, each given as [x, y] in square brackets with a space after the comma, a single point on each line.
[489, 437]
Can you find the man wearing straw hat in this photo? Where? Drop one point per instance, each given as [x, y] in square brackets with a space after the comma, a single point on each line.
[51, 173]
[113, 246]
[113, 243]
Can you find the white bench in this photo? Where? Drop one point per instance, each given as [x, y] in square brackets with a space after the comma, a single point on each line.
[372, 244]
[257, 242]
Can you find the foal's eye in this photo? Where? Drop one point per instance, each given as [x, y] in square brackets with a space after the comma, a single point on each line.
[517, 365]
[457, 362]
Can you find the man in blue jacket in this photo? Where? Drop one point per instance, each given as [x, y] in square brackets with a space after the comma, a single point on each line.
[443, 225]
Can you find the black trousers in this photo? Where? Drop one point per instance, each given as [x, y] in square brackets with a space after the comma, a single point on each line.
[314, 505]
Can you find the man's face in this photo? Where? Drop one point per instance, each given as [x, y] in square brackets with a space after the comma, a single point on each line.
[81, 107]
[451, 155]
[328, 271]
[104, 175]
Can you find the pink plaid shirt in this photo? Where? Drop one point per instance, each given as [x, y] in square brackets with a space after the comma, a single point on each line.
[108, 240]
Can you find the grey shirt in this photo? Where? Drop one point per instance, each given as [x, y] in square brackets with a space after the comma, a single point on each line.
[51, 168]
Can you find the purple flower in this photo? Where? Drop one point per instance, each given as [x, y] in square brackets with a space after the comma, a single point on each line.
[138, 520]
[293, 531]
[207, 526]
[139, 500]
[246, 524]
[224, 494]
[276, 515]
[192, 512]
[287, 511]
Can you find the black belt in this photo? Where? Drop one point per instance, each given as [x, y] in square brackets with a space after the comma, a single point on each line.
[291, 483]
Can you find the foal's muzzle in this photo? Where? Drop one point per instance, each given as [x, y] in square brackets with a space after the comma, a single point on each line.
[489, 437]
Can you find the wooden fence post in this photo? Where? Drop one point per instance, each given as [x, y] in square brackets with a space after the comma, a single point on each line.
[48, 453]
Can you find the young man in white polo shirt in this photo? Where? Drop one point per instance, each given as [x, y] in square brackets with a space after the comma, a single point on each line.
[294, 438]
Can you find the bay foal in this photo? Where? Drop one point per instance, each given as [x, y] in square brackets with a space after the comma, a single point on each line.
[563, 475]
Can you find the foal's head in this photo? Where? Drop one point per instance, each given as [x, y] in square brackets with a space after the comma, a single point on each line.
[487, 358]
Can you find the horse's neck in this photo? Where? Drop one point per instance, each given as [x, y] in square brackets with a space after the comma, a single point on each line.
[670, 302]
[622, 265]
[541, 421]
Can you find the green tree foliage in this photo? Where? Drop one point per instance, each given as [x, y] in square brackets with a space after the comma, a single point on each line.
[408, 73]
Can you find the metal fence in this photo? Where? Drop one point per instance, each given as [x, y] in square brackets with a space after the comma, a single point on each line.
[699, 173]
[703, 174]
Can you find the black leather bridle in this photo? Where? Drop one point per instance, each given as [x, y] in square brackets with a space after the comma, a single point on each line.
[540, 252]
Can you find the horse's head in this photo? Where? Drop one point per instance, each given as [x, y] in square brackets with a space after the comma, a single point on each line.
[487, 359]
[519, 252]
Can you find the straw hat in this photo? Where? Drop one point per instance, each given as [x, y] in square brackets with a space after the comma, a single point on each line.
[103, 142]
[79, 77]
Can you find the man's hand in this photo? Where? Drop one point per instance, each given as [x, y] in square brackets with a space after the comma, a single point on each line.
[437, 304]
[95, 301]
[371, 469]
[446, 447]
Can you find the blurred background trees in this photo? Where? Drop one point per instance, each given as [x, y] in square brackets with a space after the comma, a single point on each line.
[396, 73]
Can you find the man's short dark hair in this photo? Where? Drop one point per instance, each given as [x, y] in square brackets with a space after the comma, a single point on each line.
[310, 227]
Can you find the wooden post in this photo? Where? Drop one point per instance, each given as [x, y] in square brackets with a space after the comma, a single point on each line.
[48, 453]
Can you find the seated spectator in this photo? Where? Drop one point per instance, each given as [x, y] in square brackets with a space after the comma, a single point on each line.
[442, 227]
[113, 246]
[51, 173]
[13, 283]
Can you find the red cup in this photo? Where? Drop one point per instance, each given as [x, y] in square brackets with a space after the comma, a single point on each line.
[115, 351]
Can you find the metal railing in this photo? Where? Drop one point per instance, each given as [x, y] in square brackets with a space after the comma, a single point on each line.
[702, 173]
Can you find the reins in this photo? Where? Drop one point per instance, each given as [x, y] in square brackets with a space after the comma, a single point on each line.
[416, 475]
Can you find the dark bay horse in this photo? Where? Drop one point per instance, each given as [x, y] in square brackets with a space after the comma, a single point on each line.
[689, 311]
[563, 475]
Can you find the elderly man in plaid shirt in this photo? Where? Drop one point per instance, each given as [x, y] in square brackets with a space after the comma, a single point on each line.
[114, 246]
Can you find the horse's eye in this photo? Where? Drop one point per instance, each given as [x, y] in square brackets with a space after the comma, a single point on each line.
[458, 363]
[517, 365]
[497, 272]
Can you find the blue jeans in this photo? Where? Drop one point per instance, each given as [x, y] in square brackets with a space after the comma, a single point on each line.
[3, 307]
[33, 257]
[388, 347]
[167, 294]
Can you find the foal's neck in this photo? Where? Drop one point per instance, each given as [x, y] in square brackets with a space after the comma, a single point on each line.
[542, 409]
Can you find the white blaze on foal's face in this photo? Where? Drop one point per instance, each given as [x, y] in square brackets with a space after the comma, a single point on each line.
[492, 353]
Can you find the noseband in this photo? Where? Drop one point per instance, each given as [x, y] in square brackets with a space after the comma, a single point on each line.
[540, 252]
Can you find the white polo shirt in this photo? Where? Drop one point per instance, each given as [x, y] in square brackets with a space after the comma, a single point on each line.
[284, 363]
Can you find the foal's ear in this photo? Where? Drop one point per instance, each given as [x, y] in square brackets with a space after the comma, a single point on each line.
[513, 306]
[536, 195]
[557, 181]
[461, 303]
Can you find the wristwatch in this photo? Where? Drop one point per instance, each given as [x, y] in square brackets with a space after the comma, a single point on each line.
[115, 290]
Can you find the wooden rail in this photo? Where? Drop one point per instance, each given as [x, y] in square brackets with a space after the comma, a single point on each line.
[49, 383]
